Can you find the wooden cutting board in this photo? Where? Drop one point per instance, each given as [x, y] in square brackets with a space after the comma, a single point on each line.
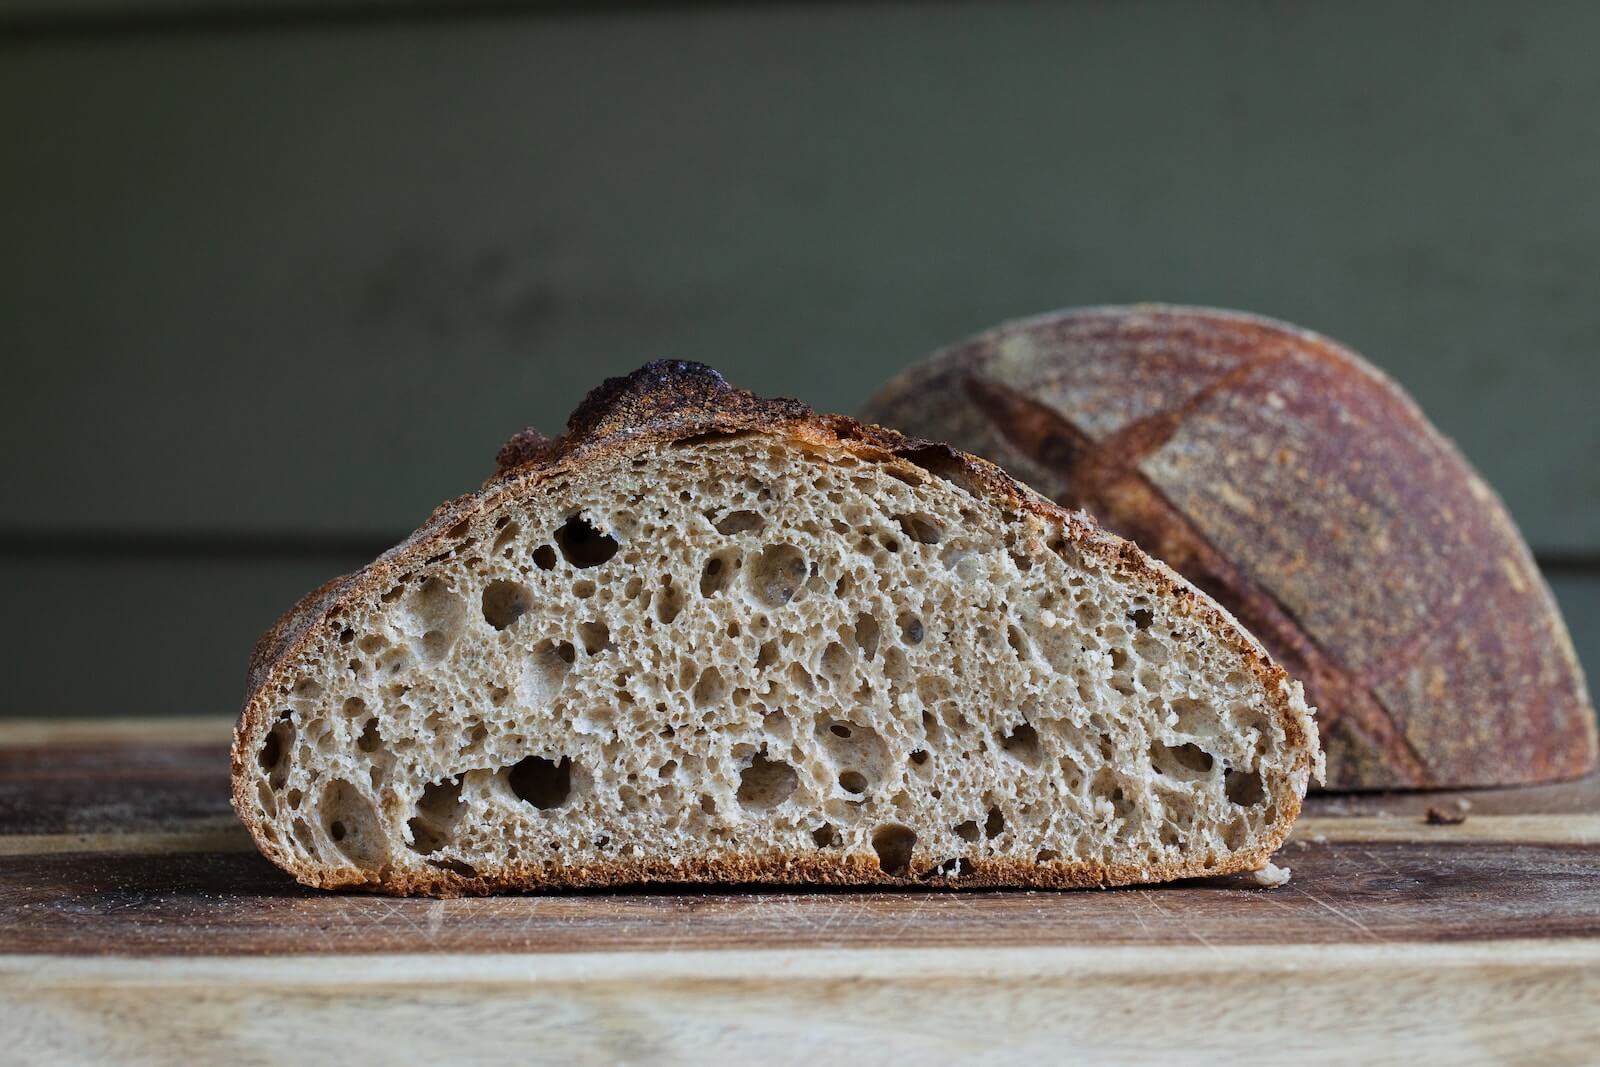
[137, 924]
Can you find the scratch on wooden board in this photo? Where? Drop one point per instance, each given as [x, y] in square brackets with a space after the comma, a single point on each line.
[910, 918]
[1381, 862]
[1340, 913]
[1132, 907]
[1191, 931]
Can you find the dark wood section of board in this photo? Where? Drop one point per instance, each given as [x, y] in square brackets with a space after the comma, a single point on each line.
[142, 890]
[235, 903]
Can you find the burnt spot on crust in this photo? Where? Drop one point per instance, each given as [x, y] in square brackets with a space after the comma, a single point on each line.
[671, 397]
[525, 446]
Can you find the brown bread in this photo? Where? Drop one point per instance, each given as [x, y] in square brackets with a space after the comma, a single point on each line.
[709, 637]
[1308, 494]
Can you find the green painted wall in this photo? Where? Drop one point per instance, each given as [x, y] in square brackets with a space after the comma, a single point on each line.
[299, 276]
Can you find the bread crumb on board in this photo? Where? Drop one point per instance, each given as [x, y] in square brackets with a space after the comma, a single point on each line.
[1271, 876]
[1436, 817]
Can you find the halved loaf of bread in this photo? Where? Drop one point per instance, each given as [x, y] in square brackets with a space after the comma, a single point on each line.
[708, 637]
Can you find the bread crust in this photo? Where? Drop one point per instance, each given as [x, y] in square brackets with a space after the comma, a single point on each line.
[1303, 489]
[664, 403]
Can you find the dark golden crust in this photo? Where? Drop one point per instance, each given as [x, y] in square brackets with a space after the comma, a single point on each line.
[667, 402]
[1305, 491]
[778, 869]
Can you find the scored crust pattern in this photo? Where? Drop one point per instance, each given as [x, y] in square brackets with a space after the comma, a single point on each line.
[1303, 490]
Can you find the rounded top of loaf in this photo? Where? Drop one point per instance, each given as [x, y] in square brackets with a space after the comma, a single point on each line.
[1301, 487]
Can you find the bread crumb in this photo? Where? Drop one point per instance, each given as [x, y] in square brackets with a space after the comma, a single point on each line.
[1271, 876]
[1048, 619]
[1463, 804]
[1301, 844]
[1435, 817]
[1319, 839]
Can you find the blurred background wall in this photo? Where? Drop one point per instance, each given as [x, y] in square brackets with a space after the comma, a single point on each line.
[278, 278]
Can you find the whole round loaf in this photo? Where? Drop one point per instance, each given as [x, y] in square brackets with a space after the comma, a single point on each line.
[1306, 492]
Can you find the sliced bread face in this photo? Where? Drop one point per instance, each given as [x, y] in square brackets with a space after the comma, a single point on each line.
[706, 637]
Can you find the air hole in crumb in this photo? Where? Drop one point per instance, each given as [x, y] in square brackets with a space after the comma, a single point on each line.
[441, 615]
[544, 557]
[1141, 618]
[1022, 745]
[271, 751]
[924, 529]
[278, 740]
[543, 783]
[894, 845]
[995, 824]
[1047, 855]
[738, 522]
[544, 671]
[670, 603]
[596, 637]
[866, 630]
[437, 811]
[352, 823]
[839, 729]
[346, 636]
[505, 602]
[370, 740]
[583, 545]
[825, 836]
[465, 870]
[910, 629]
[583, 590]
[967, 831]
[1244, 788]
[853, 782]
[668, 769]
[708, 804]
[765, 783]
[919, 758]
[1180, 761]
[718, 572]
[508, 533]
[777, 575]
[710, 689]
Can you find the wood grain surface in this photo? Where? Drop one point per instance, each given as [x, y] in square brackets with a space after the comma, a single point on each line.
[138, 925]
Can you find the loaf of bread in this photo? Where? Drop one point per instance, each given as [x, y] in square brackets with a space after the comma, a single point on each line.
[1305, 491]
[708, 637]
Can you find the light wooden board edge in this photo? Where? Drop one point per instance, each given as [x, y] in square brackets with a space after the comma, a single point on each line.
[169, 730]
[211, 836]
[402, 970]
[1461, 1003]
